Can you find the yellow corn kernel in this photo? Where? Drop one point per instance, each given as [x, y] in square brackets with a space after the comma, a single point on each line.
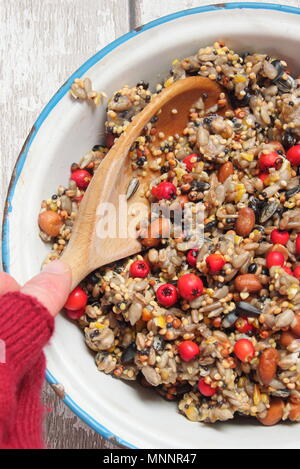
[256, 395]
[242, 382]
[192, 413]
[240, 191]
[239, 79]
[237, 239]
[179, 172]
[169, 82]
[247, 156]
[264, 398]
[97, 325]
[209, 291]
[292, 291]
[161, 322]
[164, 374]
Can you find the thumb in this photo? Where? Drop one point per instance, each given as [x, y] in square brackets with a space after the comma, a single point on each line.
[51, 287]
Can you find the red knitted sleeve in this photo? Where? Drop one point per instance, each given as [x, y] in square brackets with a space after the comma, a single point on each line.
[25, 328]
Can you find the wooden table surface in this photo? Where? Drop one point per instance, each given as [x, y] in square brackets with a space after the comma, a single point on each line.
[42, 42]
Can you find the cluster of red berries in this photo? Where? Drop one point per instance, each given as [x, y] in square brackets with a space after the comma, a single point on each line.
[188, 351]
[215, 262]
[276, 258]
[189, 287]
[274, 160]
[76, 303]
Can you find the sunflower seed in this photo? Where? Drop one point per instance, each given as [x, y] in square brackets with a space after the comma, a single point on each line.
[132, 188]
[244, 308]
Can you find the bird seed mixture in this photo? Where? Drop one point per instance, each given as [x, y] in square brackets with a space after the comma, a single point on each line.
[216, 328]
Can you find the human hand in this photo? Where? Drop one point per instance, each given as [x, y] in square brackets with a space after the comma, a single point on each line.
[51, 287]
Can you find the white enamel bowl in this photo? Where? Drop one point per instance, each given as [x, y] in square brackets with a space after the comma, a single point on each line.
[63, 133]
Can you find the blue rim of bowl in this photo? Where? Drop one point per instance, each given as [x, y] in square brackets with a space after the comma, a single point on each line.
[88, 419]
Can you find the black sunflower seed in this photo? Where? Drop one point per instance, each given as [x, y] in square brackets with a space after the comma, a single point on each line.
[291, 192]
[158, 344]
[246, 309]
[129, 353]
[288, 139]
[229, 320]
[210, 226]
[268, 210]
[279, 68]
[256, 205]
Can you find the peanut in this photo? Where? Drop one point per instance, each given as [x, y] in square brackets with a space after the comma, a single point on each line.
[296, 326]
[159, 228]
[294, 413]
[50, 222]
[267, 366]
[274, 413]
[245, 222]
[247, 283]
[225, 171]
[286, 339]
[294, 398]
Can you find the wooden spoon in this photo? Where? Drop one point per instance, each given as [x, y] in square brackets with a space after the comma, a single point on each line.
[86, 250]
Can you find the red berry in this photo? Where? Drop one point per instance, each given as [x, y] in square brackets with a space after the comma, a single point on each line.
[270, 160]
[190, 286]
[191, 161]
[298, 244]
[205, 389]
[288, 270]
[75, 314]
[243, 325]
[81, 177]
[167, 295]
[215, 262]
[191, 257]
[188, 350]
[244, 350]
[293, 155]
[78, 199]
[76, 300]
[296, 272]
[110, 140]
[263, 176]
[139, 269]
[274, 258]
[280, 237]
[164, 190]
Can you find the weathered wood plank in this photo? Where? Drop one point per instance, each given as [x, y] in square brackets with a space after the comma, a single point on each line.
[64, 430]
[146, 10]
[42, 43]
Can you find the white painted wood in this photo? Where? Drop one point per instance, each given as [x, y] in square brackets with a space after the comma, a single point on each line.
[42, 43]
[147, 10]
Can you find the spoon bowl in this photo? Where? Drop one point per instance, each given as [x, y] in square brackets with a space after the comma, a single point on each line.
[90, 246]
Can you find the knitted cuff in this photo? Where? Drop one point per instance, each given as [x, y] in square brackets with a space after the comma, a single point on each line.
[25, 328]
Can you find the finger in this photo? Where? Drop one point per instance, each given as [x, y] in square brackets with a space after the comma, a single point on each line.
[51, 287]
[7, 283]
